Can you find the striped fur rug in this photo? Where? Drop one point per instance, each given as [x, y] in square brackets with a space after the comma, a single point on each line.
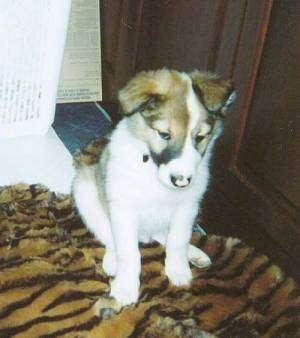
[52, 283]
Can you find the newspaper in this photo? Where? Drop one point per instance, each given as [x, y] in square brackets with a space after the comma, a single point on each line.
[80, 79]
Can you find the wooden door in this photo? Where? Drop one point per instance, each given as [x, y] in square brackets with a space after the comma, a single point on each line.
[255, 190]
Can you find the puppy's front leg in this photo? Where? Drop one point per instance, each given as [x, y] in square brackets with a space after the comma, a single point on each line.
[125, 287]
[176, 265]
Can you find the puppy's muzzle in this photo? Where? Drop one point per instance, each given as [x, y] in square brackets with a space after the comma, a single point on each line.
[180, 181]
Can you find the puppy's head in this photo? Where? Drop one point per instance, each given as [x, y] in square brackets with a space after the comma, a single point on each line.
[177, 115]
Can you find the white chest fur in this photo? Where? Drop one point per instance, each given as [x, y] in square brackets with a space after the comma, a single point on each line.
[133, 183]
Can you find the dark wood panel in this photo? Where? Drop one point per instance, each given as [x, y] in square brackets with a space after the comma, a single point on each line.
[177, 34]
[183, 34]
[242, 215]
[120, 30]
[248, 204]
[228, 41]
[262, 159]
[110, 22]
[151, 17]
[183, 39]
[271, 144]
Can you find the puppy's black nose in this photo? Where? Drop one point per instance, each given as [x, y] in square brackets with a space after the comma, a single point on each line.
[180, 181]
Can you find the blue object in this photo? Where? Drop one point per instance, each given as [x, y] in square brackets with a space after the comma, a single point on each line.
[77, 124]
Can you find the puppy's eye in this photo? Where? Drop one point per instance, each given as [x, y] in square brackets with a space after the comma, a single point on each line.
[199, 138]
[164, 135]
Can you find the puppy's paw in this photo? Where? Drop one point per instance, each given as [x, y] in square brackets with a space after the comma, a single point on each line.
[179, 273]
[198, 258]
[109, 263]
[125, 291]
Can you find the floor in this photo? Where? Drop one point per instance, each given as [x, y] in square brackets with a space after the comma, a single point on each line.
[48, 159]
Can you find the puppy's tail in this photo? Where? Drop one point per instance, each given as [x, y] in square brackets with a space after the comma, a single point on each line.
[89, 204]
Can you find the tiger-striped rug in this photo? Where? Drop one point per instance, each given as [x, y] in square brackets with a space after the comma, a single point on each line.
[52, 283]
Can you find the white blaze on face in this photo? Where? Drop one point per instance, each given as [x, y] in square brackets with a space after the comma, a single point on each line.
[180, 171]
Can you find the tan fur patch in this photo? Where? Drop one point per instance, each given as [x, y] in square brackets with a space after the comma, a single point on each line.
[95, 152]
[89, 155]
[161, 99]
[212, 89]
[166, 111]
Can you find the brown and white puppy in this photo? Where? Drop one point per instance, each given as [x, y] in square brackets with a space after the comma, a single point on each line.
[153, 173]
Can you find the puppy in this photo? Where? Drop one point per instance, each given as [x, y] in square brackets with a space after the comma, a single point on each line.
[153, 173]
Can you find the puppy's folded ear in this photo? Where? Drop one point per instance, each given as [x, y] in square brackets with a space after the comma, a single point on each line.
[214, 92]
[140, 95]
